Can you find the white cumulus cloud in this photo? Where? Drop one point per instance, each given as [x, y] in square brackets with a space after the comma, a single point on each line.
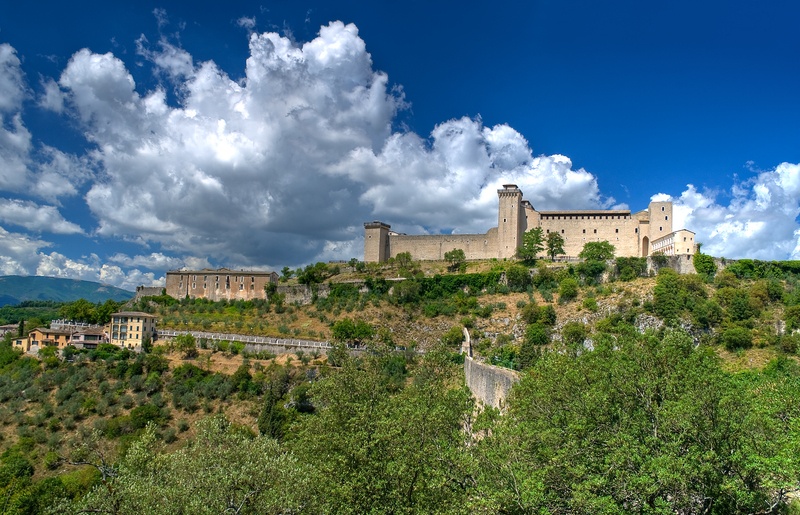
[758, 222]
[35, 217]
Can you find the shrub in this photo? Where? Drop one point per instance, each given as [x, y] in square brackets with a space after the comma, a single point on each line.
[735, 338]
[704, 265]
[574, 333]
[567, 289]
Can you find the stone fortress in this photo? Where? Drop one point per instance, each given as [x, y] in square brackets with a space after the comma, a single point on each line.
[638, 234]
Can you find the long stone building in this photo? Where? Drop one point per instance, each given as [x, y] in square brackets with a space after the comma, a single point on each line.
[637, 234]
[219, 284]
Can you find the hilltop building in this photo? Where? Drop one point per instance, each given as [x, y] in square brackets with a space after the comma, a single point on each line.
[637, 234]
[219, 284]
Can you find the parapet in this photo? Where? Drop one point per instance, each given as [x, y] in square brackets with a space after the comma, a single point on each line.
[376, 225]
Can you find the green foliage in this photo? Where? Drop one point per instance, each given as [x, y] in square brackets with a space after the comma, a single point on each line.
[82, 310]
[554, 244]
[403, 259]
[567, 289]
[223, 470]
[376, 448]
[453, 337]
[352, 332]
[629, 268]
[185, 343]
[574, 334]
[518, 278]
[597, 251]
[532, 245]
[736, 338]
[667, 295]
[704, 265]
[316, 273]
[640, 425]
[455, 258]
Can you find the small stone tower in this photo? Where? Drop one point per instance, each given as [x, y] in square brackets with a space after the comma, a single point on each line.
[510, 224]
[660, 219]
[376, 242]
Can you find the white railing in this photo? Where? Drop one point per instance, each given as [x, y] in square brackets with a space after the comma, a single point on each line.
[246, 338]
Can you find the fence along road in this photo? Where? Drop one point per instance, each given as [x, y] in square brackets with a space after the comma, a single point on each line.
[250, 339]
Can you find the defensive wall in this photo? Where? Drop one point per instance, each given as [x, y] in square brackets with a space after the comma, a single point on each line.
[632, 234]
[489, 384]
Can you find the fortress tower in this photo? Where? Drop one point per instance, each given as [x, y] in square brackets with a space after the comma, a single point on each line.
[510, 221]
[376, 242]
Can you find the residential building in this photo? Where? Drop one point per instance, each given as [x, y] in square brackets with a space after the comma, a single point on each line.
[129, 329]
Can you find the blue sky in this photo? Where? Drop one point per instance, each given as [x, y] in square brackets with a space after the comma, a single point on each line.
[144, 137]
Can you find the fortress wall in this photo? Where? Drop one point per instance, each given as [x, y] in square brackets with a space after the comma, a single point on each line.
[577, 230]
[489, 384]
[434, 246]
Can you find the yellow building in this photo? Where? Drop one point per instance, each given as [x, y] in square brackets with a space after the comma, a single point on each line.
[129, 329]
[42, 337]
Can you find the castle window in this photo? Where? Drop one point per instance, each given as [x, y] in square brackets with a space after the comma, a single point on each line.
[616, 231]
[504, 220]
[562, 231]
[662, 208]
[636, 231]
[584, 231]
[548, 231]
[595, 231]
[666, 217]
[660, 228]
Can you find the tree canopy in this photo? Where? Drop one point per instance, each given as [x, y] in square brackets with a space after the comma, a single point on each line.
[554, 244]
[597, 251]
[532, 245]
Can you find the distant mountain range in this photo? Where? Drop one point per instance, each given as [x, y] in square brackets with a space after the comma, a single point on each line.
[15, 289]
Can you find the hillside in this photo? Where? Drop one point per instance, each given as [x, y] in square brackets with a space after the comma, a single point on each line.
[670, 381]
[15, 289]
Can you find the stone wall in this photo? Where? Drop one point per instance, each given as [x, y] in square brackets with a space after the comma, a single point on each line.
[489, 384]
[630, 233]
[432, 247]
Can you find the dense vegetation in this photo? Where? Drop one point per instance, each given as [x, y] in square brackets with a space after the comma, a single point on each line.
[629, 402]
[646, 423]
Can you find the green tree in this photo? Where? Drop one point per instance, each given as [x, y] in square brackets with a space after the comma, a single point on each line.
[374, 447]
[532, 245]
[456, 258]
[403, 260]
[80, 310]
[641, 425]
[224, 470]
[185, 343]
[597, 251]
[352, 331]
[704, 264]
[518, 278]
[555, 245]
[567, 289]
